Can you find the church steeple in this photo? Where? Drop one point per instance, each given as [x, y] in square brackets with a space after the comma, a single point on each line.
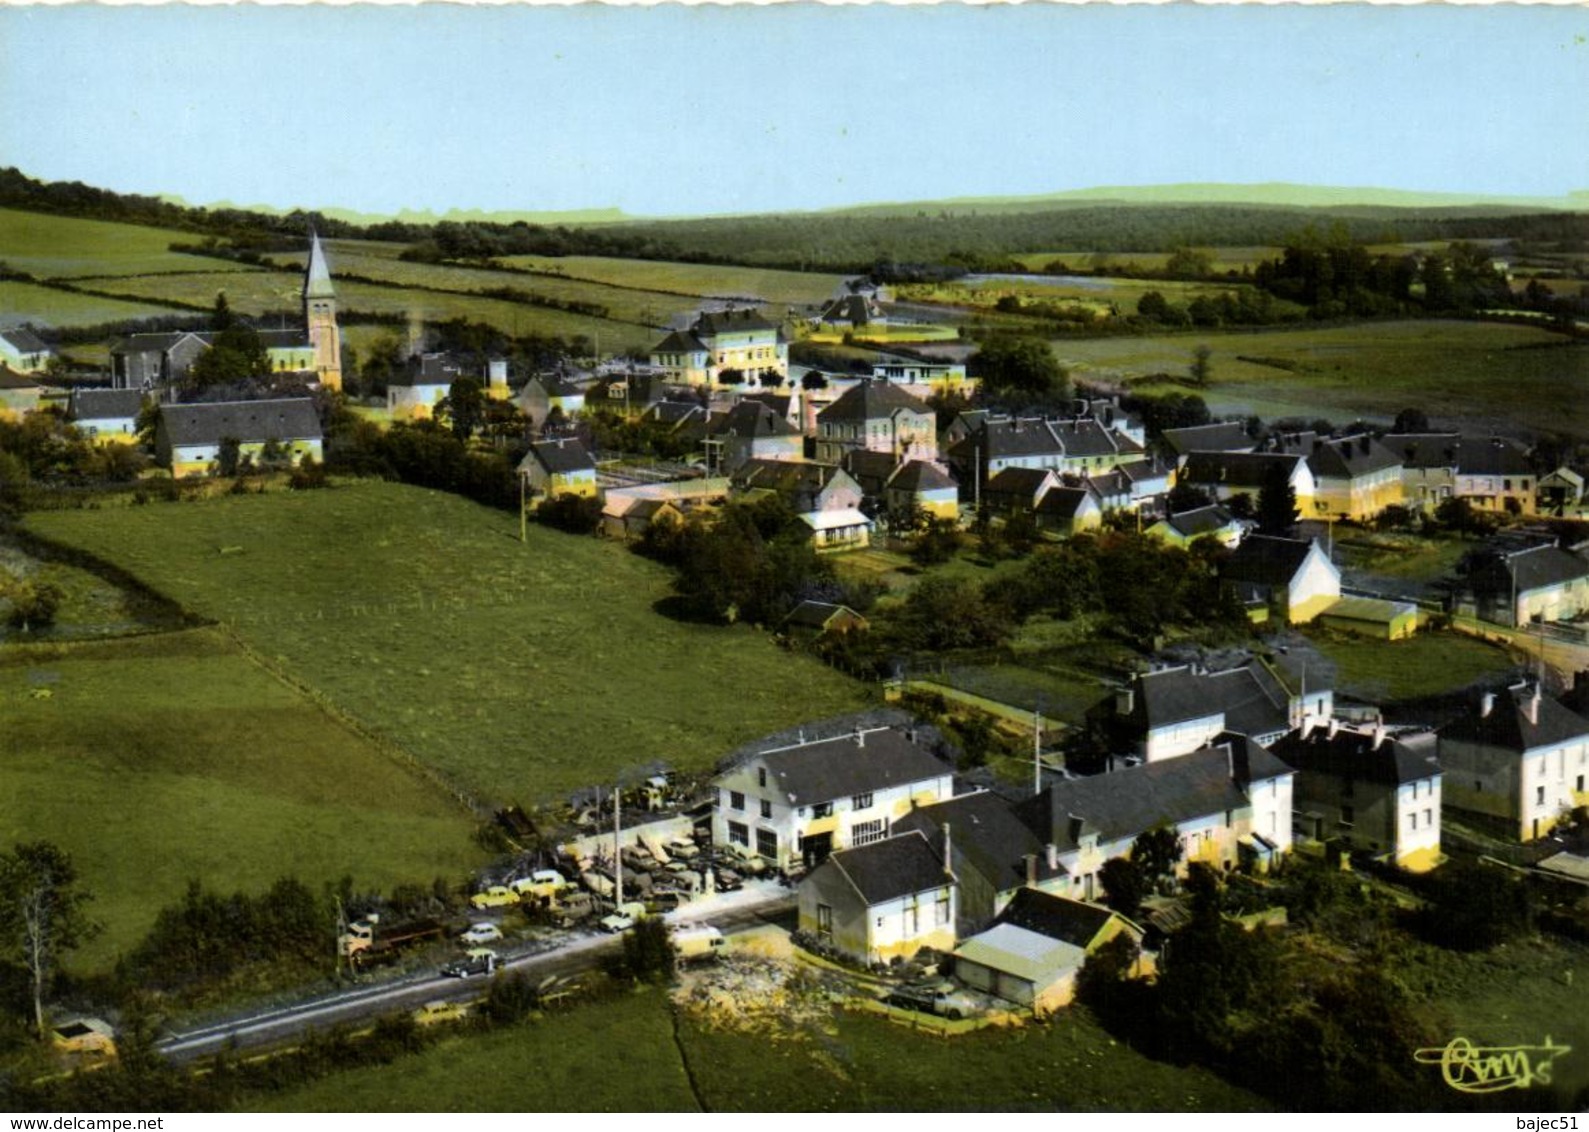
[320, 317]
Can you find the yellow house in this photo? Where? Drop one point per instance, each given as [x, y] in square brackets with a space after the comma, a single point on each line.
[559, 467]
[740, 340]
[194, 440]
[1355, 477]
[923, 487]
[1294, 576]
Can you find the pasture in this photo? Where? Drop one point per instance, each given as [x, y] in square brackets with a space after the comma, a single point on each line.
[1422, 665]
[64, 247]
[518, 671]
[689, 280]
[28, 302]
[160, 759]
[1472, 375]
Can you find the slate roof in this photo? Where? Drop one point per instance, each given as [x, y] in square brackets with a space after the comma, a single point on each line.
[431, 369]
[154, 343]
[1509, 726]
[317, 278]
[1491, 457]
[1063, 502]
[888, 869]
[1238, 469]
[712, 323]
[1350, 457]
[1541, 567]
[1266, 560]
[1352, 755]
[870, 401]
[1019, 481]
[679, 342]
[777, 402]
[559, 457]
[1126, 802]
[921, 475]
[24, 341]
[854, 309]
[1227, 436]
[1086, 437]
[752, 418]
[1069, 921]
[283, 339]
[249, 422]
[555, 385]
[841, 767]
[816, 614]
[1252, 700]
[11, 379]
[1200, 521]
[997, 440]
[986, 834]
[870, 469]
[105, 404]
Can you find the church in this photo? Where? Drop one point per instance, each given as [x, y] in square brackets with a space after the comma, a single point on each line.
[154, 361]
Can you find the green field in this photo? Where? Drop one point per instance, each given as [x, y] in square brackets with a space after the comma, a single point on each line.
[1472, 374]
[1223, 259]
[622, 1055]
[521, 672]
[159, 759]
[28, 302]
[63, 247]
[1422, 665]
[690, 279]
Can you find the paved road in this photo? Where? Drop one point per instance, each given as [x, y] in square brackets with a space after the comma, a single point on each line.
[730, 912]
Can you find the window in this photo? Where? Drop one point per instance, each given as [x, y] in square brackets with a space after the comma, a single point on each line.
[1428, 819]
[1539, 796]
[861, 801]
[866, 832]
[1412, 820]
[940, 915]
[761, 776]
[767, 843]
[738, 834]
[766, 808]
[822, 810]
[825, 920]
[736, 800]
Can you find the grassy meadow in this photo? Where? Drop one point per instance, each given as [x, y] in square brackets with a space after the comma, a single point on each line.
[28, 302]
[1422, 665]
[518, 671]
[857, 1063]
[159, 759]
[689, 280]
[1474, 374]
[65, 247]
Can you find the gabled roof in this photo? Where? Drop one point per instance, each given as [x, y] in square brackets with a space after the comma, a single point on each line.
[1349, 457]
[1518, 722]
[986, 834]
[153, 343]
[1253, 701]
[888, 869]
[1239, 469]
[870, 401]
[559, 457]
[1353, 755]
[679, 342]
[1538, 567]
[317, 279]
[1057, 917]
[1008, 439]
[921, 475]
[712, 323]
[431, 369]
[1020, 481]
[855, 309]
[1494, 456]
[1127, 802]
[554, 385]
[752, 418]
[846, 765]
[249, 422]
[1200, 521]
[777, 402]
[1266, 560]
[785, 476]
[816, 614]
[1063, 502]
[11, 379]
[1085, 437]
[872, 470]
[105, 404]
[24, 341]
[675, 412]
[1226, 436]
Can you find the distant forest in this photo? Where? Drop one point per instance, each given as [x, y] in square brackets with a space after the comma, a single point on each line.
[835, 241]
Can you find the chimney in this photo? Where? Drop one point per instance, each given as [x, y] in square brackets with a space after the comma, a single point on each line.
[1308, 724]
[1031, 870]
[1053, 857]
[1486, 705]
[1379, 734]
[948, 855]
[1533, 707]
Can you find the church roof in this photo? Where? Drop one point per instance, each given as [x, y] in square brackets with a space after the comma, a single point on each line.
[317, 280]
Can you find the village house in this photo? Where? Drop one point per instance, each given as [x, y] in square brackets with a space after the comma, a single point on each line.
[1559, 492]
[559, 467]
[1066, 511]
[795, 804]
[1533, 583]
[426, 381]
[1378, 792]
[1212, 522]
[827, 499]
[546, 392]
[627, 512]
[851, 312]
[631, 393]
[750, 430]
[154, 361]
[23, 351]
[1228, 803]
[1132, 486]
[1225, 475]
[1225, 436]
[1354, 477]
[921, 488]
[1294, 578]
[1171, 712]
[881, 902]
[927, 378]
[192, 440]
[1016, 489]
[716, 341]
[106, 414]
[1492, 474]
[1081, 446]
[1518, 758]
[19, 393]
[1032, 955]
[877, 417]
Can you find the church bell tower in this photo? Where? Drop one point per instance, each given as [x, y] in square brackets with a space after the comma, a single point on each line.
[320, 316]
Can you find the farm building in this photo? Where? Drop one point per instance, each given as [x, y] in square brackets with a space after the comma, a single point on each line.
[1371, 617]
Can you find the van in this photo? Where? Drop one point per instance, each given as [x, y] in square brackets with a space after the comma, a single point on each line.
[695, 944]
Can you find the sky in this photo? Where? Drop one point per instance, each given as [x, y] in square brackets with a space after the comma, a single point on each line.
[703, 110]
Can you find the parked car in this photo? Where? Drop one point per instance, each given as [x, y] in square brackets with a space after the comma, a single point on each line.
[729, 881]
[497, 896]
[542, 884]
[481, 933]
[479, 961]
[624, 917]
[439, 1011]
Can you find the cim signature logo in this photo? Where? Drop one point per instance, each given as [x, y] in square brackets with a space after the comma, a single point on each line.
[1468, 1068]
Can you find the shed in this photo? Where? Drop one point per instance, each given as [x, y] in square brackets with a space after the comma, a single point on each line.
[1372, 617]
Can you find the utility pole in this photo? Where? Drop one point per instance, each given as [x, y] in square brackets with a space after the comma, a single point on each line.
[1037, 751]
[524, 529]
[617, 849]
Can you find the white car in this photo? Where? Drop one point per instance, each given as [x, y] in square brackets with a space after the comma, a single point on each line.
[481, 933]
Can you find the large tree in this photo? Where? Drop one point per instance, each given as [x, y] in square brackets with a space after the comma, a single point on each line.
[41, 912]
[1022, 368]
[235, 354]
[1277, 505]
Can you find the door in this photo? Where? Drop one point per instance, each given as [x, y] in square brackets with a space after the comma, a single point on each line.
[815, 847]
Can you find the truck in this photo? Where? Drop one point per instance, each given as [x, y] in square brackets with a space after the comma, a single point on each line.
[944, 999]
[370, 941]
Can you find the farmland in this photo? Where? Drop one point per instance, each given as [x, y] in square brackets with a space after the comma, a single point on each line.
[28, 302]
[520, 672]
[161, 759]
[1422, 665]
[62, 247]
[1452, 370]
[689, 279]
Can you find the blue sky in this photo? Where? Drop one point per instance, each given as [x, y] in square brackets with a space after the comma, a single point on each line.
[691, 110]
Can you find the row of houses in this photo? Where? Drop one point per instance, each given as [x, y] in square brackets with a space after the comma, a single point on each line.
[896, 854]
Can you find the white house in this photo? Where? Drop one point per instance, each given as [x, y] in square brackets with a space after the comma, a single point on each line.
[798, 803]
[1292, 576]
[885, 900]
[106, 414]
[1174, 711]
